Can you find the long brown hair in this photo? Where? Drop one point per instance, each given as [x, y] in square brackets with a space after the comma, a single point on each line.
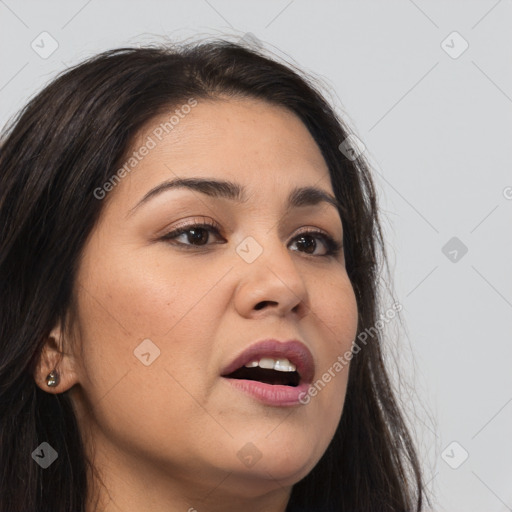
[65, 144]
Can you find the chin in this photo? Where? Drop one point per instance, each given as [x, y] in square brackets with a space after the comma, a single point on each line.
[277, 475]
[280, 465]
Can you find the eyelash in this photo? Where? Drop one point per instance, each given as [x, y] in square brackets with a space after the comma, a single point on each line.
[333, 247]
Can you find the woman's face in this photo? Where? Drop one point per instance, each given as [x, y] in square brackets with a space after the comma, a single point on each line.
[162, 318]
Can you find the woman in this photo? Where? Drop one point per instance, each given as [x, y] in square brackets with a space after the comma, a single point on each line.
[145, 367]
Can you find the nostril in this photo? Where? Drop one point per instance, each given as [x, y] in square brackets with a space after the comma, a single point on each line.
[262, 304]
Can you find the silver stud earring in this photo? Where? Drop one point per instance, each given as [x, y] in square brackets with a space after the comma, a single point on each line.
[52, 379]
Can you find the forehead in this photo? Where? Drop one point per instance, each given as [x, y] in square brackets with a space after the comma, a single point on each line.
[262, 146]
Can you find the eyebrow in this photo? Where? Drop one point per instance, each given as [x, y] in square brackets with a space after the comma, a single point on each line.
[298, 197]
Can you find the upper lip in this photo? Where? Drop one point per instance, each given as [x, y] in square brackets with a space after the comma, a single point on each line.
[293, 350]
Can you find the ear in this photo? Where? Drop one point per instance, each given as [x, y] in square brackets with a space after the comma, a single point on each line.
[53, 358]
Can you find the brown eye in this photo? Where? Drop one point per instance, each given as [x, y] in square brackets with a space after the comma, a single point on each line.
[307, 243]
[195, 234]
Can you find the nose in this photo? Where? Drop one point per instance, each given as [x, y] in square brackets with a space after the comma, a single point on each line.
[272, 284]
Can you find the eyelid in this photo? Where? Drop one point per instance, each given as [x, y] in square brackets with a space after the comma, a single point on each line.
[310, 229]
[190, 223]
[194, 221]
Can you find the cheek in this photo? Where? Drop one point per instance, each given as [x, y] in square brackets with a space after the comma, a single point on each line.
[139, 310]
[337, 313]
[335, 305]
[137, 299]
[146, 295]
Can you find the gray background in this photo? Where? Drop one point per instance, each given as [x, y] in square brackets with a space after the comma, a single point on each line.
[437, 130]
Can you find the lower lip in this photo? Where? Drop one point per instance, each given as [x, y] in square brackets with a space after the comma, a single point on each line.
[271, 394]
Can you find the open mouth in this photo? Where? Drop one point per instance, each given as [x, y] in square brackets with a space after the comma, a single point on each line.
[268, 371]
[273, 372]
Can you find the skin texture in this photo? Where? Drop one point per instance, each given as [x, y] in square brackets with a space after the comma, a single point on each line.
[166, 436]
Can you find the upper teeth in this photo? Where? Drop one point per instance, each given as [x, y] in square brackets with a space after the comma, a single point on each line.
[268, 363]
